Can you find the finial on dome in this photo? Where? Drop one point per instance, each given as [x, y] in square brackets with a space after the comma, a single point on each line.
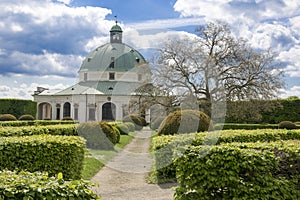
[116, 17]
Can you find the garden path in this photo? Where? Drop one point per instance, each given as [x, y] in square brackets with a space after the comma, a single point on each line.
[124, 177]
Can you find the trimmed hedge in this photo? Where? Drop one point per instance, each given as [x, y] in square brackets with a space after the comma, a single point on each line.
[287, 125]
[7, 117]
[35, 123]
[137, 120]
[99, 135]
[228, 126]
[166, 148]
[124, 130]
[49, 153]
[154, 125]
[130, 126]
[240, 171]
[37, 185]
[184, 121]
[69, 130]
[26, 118]
[18, 107]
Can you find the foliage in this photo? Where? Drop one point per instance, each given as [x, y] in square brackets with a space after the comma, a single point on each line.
[26, 118]
[69, 130]
[123, 129]
[136, 120]
[155, 123]
[130, 126]
[287, 125]
[232, 126]
[184, 121]
[49, 153]
[166, 148]
[68, 118]
[35, 123]
[37, 185]
[7, 117]
[18, 107]
[98, 135]
[216, 67]
[263, 111]
[238, 172]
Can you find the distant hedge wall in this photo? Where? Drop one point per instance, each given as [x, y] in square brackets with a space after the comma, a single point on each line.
[263, 111]
[36, 122]
[18, 107]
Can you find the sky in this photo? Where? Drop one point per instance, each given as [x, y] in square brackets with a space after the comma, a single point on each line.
[43, 42]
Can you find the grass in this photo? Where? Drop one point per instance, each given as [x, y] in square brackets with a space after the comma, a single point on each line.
[96, 159]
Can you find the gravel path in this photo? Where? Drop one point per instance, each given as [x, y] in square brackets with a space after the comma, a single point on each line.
[124, 177]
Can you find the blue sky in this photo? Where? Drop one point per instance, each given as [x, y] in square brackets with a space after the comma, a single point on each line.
[43, 42]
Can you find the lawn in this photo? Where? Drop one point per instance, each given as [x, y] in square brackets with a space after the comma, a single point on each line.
[96, 159]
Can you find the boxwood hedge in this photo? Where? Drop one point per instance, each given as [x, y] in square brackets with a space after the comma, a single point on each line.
[36, 122]
[49, 153]
[70, 129]
[37, 185]
[240, 171]
[166, 148]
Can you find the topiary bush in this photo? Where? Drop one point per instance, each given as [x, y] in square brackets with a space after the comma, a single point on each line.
[26, 118]
[99, 135]
[130, 126]
[287, 125]
[184, 121]
[7, 117]
[136, 120]
[154, 125]
[68, 119]
[123, 129]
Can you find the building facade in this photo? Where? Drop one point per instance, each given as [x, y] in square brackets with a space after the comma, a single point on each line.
[108, 80]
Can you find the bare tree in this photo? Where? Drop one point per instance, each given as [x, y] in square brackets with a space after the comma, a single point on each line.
[215, 66]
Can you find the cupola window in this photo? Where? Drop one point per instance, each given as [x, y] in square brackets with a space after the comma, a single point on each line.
[85, 76]
[112, 63]
[111, 76]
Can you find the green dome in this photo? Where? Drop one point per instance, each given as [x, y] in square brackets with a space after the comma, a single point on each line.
[116, 28]
[123, 56]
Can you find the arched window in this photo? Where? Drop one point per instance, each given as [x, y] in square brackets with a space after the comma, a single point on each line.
[44, 111]
[67, 110]
[108, 112]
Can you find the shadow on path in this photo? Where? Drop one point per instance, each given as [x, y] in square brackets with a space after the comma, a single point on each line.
[124, 177]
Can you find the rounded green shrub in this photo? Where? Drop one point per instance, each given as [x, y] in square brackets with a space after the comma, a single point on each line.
[287, 125]
[156, 123]
[26, 118]
[99, 135]
[111, 133]
[123, 129]
[7, 117]
[130, 126]
[68, 119]
[184, 121]
[136, 120]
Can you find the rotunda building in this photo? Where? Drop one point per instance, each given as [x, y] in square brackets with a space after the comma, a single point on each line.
[108, 79]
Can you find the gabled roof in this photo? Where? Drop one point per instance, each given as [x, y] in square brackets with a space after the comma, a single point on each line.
[101, 88]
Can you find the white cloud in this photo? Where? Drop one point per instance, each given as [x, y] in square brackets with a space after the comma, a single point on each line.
[291, 57]
[293, 91]
[65, 1]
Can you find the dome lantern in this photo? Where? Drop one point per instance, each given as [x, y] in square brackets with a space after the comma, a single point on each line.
[116, 34]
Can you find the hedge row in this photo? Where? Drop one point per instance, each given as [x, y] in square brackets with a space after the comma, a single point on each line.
[69, 130]
[35, 123]
[18, 107]
[52, 154]
[228, 126]
[167, 148]
[240, 171]
[37, 185]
